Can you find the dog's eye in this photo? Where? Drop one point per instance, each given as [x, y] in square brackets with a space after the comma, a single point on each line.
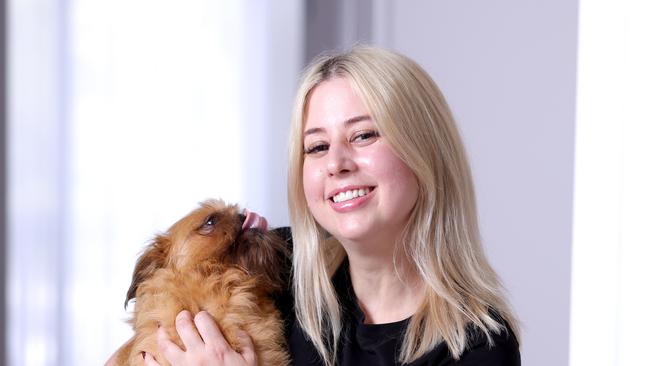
[210, 220]
[209, 223]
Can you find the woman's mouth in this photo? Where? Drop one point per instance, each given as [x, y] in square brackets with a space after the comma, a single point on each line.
[351, 194]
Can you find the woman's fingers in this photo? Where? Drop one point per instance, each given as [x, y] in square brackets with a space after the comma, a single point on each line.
[215, 351]
[209, 331]
[169, 350]
[247, 348]
[149, 360]
[186, 330]
[215, 340]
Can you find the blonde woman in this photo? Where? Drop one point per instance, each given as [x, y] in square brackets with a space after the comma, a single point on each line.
[388, 267]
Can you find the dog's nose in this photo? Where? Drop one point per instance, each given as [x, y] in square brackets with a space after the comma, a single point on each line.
[242, 218]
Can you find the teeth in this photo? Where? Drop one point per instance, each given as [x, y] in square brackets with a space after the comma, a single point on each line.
[348, 195]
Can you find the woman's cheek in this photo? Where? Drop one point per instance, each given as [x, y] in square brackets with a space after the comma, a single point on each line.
[312, 185]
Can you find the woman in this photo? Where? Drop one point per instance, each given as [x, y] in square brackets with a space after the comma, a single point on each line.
[387, 263]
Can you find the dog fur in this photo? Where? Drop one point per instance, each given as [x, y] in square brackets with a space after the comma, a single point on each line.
[205, 261]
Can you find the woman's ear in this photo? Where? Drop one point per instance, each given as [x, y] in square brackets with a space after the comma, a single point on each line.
[152, 258]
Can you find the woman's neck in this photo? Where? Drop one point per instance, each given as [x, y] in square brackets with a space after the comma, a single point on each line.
[386, 292]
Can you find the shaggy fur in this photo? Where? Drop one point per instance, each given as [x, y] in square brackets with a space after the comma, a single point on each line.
[206, 262]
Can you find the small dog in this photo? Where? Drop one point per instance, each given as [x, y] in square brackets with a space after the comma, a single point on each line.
[206, 261]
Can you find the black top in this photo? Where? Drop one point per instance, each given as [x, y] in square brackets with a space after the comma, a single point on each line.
[379, 344]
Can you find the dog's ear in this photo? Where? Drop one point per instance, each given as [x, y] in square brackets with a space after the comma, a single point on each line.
[152, 258]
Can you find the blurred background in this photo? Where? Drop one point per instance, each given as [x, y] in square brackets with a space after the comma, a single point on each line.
[120, 116]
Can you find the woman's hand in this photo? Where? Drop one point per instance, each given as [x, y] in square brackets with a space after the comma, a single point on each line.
[207, 347]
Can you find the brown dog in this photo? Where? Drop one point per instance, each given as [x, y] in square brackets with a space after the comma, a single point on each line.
[206, 261]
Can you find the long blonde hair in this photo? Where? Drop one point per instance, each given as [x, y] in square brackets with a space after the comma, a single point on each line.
[441, 239]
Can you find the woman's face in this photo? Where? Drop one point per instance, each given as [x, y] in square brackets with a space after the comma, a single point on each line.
[355, 185]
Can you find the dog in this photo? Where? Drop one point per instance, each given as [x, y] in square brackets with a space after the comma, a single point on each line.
[207, 261]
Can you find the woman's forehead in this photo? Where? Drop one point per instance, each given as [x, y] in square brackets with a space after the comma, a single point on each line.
[334, 102]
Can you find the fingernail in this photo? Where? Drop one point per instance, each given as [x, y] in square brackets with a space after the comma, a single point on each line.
[183, 315]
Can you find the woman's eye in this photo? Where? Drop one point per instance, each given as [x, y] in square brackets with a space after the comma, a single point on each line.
[365, 136]
[316, 148]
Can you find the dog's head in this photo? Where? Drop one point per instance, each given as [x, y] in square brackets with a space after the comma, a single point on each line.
[211, 235]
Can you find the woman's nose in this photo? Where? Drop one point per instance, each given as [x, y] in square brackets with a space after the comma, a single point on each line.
[340, 160]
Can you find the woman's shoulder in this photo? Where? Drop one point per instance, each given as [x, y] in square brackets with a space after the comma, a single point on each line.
[501, 348]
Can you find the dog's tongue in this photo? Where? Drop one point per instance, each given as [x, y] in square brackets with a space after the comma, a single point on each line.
[254, 221]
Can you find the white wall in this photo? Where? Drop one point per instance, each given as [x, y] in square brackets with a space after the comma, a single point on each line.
[507, 68]
[611, 241]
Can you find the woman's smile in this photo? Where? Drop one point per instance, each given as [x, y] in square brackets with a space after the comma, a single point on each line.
[350, 198]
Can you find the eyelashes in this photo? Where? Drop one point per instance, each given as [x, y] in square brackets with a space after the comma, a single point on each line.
[316, 148]
[361, 138]
[365, 135]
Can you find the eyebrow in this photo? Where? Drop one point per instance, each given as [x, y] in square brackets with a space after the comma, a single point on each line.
[347, 122]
